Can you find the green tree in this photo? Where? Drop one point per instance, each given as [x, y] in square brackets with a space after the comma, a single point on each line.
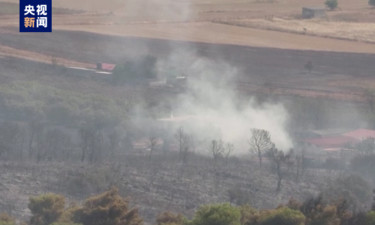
[331, 4]
[218, 214]
[108, 208]
[46, 209]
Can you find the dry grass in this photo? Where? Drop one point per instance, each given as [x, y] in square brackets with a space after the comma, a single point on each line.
[225, 34]
[318, 27]
[191, 20]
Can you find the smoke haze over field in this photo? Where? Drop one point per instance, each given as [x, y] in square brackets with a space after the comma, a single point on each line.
[210, 108]
[159, 11]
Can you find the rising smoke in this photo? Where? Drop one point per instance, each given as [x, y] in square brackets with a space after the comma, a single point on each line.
[210, 107]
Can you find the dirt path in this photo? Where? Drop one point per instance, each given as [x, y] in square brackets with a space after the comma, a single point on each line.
[37, 57]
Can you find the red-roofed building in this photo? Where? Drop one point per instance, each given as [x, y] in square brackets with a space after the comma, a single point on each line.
[360, 134]
[330, 147]
[332, 142]
[105, 67]
[339, 143]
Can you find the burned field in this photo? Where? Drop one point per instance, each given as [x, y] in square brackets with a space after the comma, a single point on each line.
[160, 181]
[345, 75]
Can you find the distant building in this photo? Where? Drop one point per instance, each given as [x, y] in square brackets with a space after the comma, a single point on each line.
[360, 134]
[313, 12]
[105, 67]
[332, 143]
[340, 142]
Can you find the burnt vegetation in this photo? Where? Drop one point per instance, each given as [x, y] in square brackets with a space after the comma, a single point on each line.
[82, 142]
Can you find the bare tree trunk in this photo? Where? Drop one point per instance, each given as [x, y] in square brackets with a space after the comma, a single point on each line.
[279, 177]
[260, 158]
[278, 184]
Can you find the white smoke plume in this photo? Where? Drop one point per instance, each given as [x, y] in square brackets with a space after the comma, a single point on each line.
[210, 108]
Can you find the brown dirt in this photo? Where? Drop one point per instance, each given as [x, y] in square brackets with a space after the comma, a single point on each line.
[33, 56]
[225, 34]
[190, 20]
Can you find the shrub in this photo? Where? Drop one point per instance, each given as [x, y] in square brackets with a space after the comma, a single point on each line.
[5, 219]
[108, 208]
[331, 4]
[249, 215]
[370, 218]
[281, 216]
[66, 217]
[324, 216]
[218, 214]
[46, 209]
[317, 213]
